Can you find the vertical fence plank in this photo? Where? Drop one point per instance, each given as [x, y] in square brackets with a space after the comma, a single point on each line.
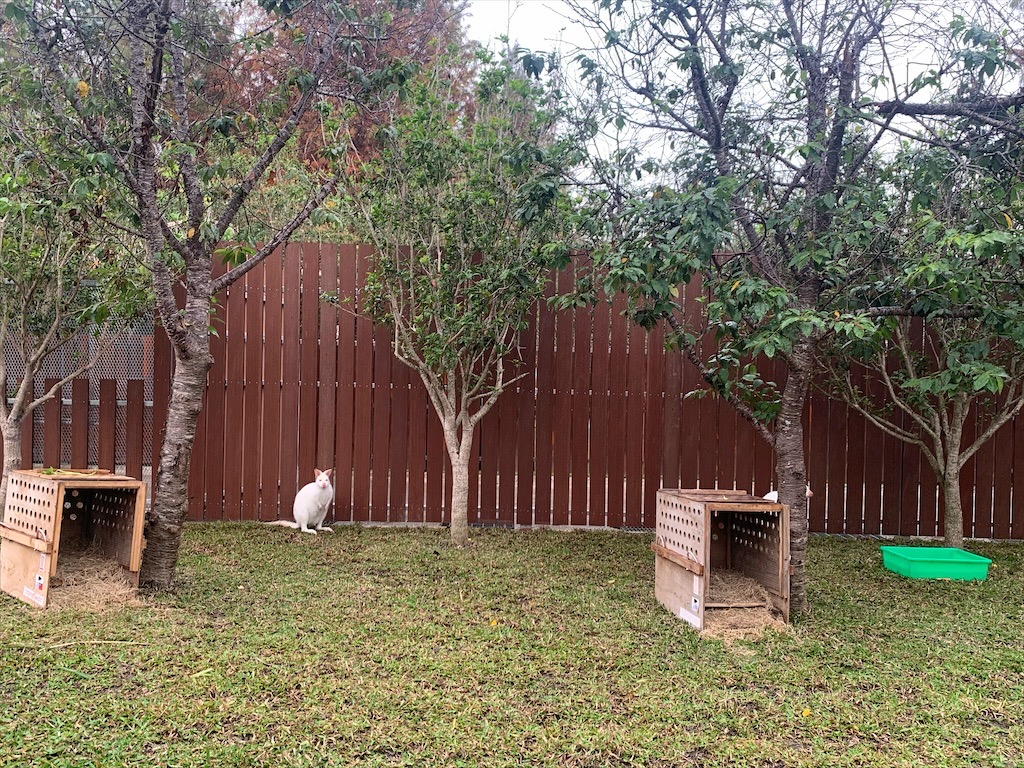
[598, 499]
[561, 422]
[291, 428]
[212, 498]
[234, 393]
[417, 454]
[526, 423]
[272, 506]
[106, 453]
[873, 467]
[764, 466]
[816, 432]
[52, 425]
[616, 414]
[838, 448]
[80, 422]
[690, 407]
[327, 374]
[984, 485]
[673, 410]
[654, 423]
[910, 487]
[892, 481]
[634, 437]
[489, 433]
[398, 461]
[473, 501]
[437, 467]
[928, 523]
[581, 407]
[1017, 510]
[545, 394]
[345, 391]
[967, 479]
[28, 441]
[381, 409]
[744, 470]
[134, 415]
[725, 445]
[252, 387]
[362, 444]
[855, 465]
[506, 469]
[309, 354]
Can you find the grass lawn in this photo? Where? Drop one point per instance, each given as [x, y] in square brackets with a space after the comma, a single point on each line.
[384, 647]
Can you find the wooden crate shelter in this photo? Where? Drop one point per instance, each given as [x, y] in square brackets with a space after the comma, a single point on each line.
[67, 510]
[702, 531]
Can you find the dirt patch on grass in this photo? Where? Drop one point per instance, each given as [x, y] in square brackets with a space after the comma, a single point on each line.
[89, 581]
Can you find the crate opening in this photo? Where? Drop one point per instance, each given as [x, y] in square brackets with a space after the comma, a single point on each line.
[95, 539]
[743, 570]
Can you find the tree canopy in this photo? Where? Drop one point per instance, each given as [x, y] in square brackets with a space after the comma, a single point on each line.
[461, 202]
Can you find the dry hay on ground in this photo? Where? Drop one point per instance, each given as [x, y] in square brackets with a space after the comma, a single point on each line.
[739, 623]
[733, 587]
[89, 581]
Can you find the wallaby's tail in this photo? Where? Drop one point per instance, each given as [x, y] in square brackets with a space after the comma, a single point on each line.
[285, 523]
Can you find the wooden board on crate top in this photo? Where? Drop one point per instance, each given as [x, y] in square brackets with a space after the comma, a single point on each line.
[83, 475]
[721, 499]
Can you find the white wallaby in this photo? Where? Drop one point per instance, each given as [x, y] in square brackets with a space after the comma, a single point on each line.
[311, 503]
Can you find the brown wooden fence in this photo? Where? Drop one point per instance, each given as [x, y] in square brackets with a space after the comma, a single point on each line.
[78, 432]
[596, 425]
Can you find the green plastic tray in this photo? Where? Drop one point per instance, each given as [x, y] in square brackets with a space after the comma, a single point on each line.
[935, 563]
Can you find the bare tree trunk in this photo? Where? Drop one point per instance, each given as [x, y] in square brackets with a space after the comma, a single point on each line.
[954, 511]
[460, 499]
[459, 454]
[11, 429]
[791, 468]
[169, 511]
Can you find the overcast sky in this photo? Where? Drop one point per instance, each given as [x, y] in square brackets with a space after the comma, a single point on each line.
[539, 25]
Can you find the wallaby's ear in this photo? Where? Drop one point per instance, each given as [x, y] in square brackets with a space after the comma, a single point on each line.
[327, 472]
[316, 473]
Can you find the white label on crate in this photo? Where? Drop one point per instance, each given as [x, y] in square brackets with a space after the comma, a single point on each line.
[695, 604]
[42, 561]
[696, 583]
[34, 596]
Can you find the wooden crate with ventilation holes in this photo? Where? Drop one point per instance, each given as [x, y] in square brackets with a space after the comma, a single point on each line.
[48, 512]
[700, 532]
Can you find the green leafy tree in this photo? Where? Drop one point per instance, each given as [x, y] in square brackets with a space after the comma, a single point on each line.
[461, 203]
[958, 266]
[58, 281]
[746, 151]
[151, 96]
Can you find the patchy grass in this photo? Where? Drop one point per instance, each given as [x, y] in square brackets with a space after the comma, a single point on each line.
[383, 647]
